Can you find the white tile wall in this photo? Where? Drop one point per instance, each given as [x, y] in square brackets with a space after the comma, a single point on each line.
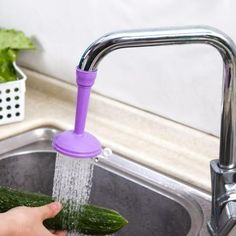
[182, 83]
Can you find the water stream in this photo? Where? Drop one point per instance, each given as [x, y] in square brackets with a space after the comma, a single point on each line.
[73, 182]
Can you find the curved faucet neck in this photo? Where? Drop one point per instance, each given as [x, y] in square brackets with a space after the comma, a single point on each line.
[173, 36]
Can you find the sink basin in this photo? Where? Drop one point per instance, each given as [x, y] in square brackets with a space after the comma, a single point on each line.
[153, 203]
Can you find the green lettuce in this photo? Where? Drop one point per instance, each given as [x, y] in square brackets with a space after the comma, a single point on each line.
[7, 70]
[11, 41]
[14, 39]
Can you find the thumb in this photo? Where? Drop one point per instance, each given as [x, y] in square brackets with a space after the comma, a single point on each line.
[49, 210]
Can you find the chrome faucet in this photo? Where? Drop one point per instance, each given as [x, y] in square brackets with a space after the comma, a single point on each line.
[223, 171]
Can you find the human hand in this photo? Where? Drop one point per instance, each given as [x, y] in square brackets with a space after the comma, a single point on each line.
[28, 221]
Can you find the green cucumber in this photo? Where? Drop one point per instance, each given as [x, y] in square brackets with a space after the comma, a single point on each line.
[90, 219]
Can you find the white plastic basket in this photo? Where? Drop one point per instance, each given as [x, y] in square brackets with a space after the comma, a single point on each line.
[12, 99]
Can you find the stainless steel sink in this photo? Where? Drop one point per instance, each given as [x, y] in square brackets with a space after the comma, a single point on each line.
[153, 203]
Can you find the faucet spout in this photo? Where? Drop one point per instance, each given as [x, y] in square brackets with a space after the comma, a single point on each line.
[181, 35]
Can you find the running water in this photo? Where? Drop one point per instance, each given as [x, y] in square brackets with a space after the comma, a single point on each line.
[73, 182]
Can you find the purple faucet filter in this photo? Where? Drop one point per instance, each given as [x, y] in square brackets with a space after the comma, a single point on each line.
[77, 142]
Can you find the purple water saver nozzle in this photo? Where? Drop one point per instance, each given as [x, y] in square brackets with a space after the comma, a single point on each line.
[77, 142]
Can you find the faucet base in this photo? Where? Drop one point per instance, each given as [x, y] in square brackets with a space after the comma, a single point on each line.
[231, 226]
[223, 213]
[210, 229]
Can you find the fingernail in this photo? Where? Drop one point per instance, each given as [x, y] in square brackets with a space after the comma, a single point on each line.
[56, 206]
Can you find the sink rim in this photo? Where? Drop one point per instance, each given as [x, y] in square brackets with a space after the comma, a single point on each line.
[188, 197]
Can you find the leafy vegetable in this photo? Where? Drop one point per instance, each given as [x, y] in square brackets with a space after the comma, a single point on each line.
[10, 42]
[14, 39]
[7, 55]
[7, 70]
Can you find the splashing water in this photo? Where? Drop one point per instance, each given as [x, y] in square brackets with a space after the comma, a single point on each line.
[72, 182]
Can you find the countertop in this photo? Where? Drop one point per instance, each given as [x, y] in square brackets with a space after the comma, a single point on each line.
[163, 145]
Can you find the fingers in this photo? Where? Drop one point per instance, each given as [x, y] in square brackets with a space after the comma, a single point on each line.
[49, 210]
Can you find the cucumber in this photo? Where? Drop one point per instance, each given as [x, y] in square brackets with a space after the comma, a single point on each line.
[90, 219]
